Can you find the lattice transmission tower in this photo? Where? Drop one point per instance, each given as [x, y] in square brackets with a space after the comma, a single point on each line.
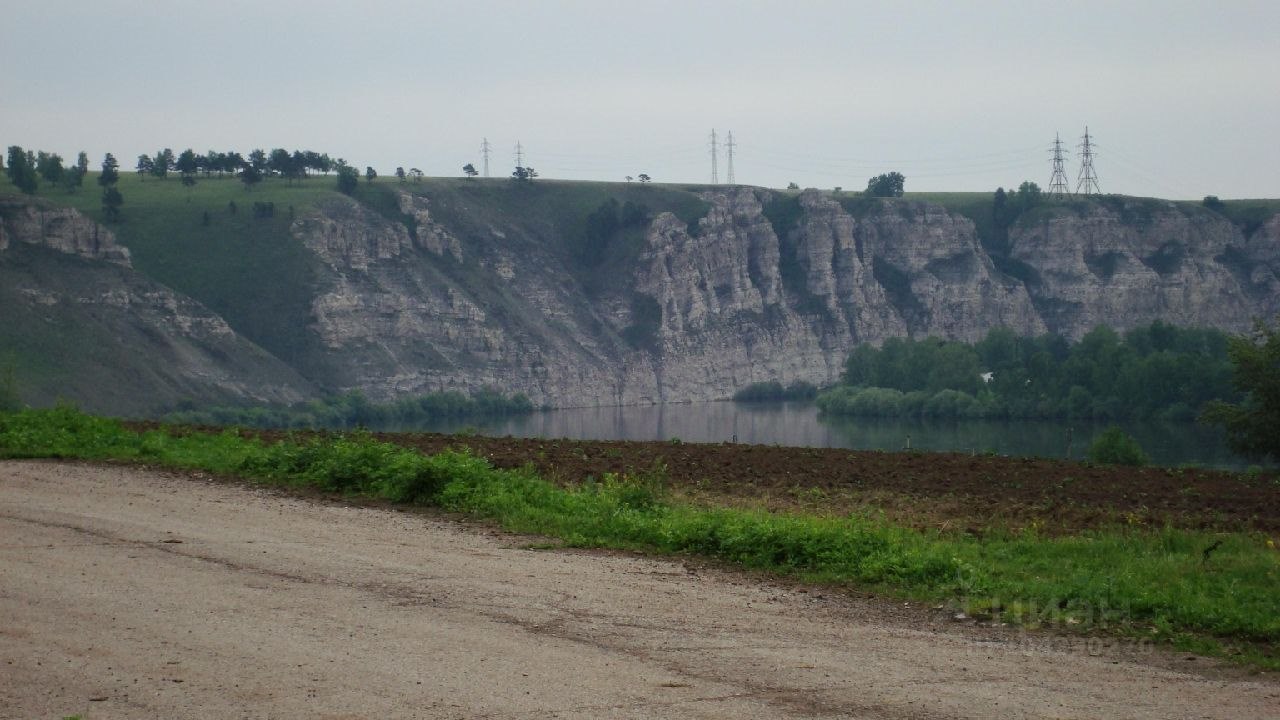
[728, 148]
[485, 148]
[1058, 188]
[715, 175]
[519, 154]
[1088, 182]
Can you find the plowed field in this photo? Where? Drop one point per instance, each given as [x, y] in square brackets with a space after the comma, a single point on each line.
[948, 491]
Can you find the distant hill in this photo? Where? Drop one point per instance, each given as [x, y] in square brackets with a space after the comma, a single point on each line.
[573, 293]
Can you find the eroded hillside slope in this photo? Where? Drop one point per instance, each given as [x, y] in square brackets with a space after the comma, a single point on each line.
[80, 324]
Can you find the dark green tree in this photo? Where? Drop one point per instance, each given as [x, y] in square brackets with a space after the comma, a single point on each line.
[889, 184]
[299, 162]
[370, 174]
[416, 174]
[1252, 425]
[49, 165]
[144, 166]
[348, 178]
[210, 163]
[111, 202]
[110, 174]
[955, 367]
[400, 173]
[82, 167]
[1029, 195]
[162, 163]
[258, 159]
[232, 161]
[1000, 208]
[187, 164]
[470, 171]
[21, 172]
[644, 178]
[280, 162]
[250, 175]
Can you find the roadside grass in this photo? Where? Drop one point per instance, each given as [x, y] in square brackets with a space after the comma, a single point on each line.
[1163, 585]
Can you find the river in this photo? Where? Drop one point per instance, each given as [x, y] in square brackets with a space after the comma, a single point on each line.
[799, 424]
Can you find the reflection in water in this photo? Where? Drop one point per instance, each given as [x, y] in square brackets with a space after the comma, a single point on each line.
[798, 424]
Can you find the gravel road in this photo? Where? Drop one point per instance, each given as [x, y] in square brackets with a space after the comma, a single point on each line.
[127, 593]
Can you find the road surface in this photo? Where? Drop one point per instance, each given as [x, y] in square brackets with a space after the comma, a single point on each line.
[127, 593]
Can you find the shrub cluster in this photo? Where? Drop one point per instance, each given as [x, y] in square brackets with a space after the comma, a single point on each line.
[773, 391]
[1159, 371]
[1114, 447]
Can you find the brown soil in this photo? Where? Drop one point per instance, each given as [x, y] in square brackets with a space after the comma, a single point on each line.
[946, 491]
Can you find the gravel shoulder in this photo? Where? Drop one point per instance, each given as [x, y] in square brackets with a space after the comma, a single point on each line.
[129, 593]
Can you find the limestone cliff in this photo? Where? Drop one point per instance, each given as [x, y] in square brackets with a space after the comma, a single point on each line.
[595, 294]
[762, 286]
[1127, 262]
[37, 222]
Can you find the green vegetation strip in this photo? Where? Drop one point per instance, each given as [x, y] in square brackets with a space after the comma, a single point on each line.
[1212, 593]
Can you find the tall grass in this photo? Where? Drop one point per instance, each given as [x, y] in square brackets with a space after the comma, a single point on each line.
[1160, 583]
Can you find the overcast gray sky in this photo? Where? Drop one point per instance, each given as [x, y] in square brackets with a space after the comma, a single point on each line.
[1183, 98]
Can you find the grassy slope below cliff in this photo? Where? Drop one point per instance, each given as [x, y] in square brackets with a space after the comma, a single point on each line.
[119, 356]
[246, 269]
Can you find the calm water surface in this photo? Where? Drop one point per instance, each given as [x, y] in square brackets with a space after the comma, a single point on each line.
[798, 424]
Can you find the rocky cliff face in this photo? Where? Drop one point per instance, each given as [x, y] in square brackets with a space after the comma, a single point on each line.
[36, 222]
[764, 286]
[684, 295]
[741, 304]
[1126, 263]
[405, 313]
